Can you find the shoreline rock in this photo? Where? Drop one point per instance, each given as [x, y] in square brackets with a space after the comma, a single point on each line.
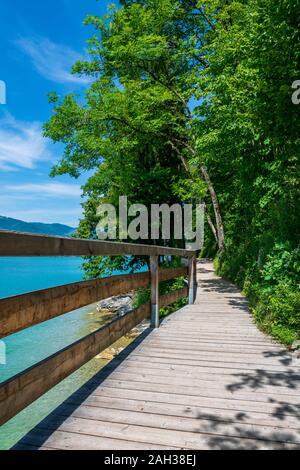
[119, 305]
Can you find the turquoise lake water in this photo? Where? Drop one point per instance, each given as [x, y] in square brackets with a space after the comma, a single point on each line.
[23, 349]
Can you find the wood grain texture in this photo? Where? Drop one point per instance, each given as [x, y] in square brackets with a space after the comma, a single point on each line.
[26, 244]
[206, 379]
[23, 311]
[173, 296]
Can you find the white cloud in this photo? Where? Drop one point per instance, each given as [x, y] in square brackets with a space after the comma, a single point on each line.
[44, 190]
[21, 144]
[52, 61]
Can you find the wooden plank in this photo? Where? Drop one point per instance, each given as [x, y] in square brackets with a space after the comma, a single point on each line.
[167, 410]
[61, 440]
[172, 273]
[214, 347]
[287, 385]
[240, 358]
[218, 388]
[23, 311]
[206, 339]
[201, 423]
[156, 436]
[211, 363]
[27, 244]
[274, 376]
[155, 300]
[239, 406]
[169, 387]
[21, 390]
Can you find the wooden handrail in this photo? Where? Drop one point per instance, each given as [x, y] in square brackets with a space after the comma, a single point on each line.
[27, 244]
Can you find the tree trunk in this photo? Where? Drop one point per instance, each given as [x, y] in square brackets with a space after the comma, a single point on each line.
[219, 236]
[217, 211]
[210, 223]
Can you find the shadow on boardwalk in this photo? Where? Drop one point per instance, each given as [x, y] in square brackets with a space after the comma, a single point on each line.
[61, 413]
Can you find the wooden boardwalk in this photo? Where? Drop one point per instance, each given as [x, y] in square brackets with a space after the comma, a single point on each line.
[206, 379]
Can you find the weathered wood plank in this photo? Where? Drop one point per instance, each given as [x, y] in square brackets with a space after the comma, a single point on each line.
[259, 359]
[61, 440]
[200, 387]
[209, 370]
[160, 437]
[232, 382]
[27, 244]
[169, 387]
[200, 424]
[172, 410]
[239, 406]
[171, 273]
[211, 363]
[21, 390]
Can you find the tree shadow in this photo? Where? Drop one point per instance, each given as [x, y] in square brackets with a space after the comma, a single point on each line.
[259, 378]
[238, 433]
[40, 433]
[283, 357]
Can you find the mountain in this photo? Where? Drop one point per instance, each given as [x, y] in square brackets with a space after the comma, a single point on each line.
[6, 223]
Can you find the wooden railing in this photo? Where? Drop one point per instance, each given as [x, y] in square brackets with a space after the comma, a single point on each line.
[23, 311]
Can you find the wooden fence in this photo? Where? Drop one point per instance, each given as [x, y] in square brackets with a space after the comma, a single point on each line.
[26, 310]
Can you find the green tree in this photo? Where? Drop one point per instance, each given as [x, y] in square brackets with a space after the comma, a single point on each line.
[134, 129]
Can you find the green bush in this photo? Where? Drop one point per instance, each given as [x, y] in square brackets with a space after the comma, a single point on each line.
[143, 295]
[272, 286]
[278, 312]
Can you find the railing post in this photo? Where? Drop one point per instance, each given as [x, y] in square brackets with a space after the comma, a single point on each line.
[154, 291]
[195, 278]
[192, 279]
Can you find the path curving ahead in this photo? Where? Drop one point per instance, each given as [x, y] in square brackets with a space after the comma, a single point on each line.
[206, 379]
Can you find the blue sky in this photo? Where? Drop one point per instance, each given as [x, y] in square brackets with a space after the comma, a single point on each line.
[39, 41]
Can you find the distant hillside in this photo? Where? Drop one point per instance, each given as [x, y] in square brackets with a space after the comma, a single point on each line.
[7, 223]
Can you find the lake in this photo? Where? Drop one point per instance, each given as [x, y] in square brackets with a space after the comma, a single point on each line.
[23, 349]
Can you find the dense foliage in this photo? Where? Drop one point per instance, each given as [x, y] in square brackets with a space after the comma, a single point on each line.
[251, 138]
[179, 86]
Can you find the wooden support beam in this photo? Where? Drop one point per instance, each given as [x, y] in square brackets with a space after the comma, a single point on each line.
[154, 291]
[195, 277]
[23, 389]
